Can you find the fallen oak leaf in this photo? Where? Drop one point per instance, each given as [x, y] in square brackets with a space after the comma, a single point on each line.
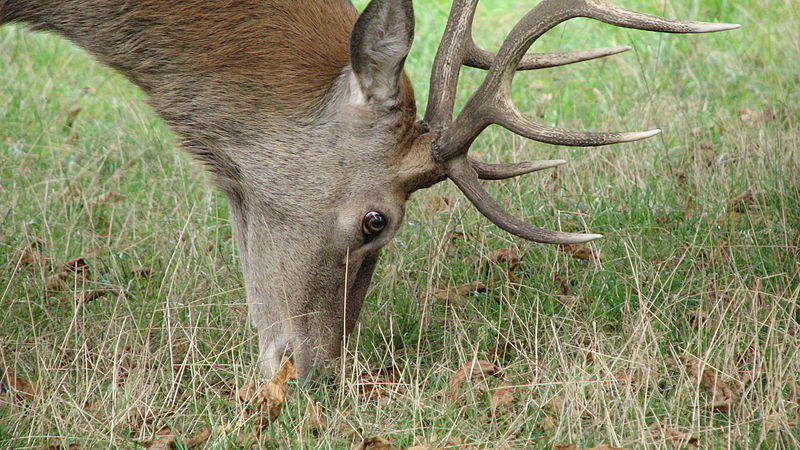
[163, 441]
[469, 371]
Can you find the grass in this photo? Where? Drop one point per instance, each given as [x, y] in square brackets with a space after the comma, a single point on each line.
[684, 331]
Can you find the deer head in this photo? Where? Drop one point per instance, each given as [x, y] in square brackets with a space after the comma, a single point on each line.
[309, 125]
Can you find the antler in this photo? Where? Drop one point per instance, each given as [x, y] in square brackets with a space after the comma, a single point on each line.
[492, 103]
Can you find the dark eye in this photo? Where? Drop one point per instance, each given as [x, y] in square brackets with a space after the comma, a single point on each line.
[373, 223]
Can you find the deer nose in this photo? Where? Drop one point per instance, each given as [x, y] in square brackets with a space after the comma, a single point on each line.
[292, 348]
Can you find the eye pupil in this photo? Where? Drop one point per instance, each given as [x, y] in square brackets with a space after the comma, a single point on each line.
[374, 223]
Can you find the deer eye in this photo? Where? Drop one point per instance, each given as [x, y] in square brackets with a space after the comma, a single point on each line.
[373, 223]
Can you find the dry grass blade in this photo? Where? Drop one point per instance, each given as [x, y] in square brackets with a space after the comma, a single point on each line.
[375, 384]
[475, 369]
[574, 447]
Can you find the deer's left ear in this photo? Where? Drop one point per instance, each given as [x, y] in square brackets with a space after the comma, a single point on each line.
[379, 45]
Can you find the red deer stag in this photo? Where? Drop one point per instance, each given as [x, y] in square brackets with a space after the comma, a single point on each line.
[305, 117]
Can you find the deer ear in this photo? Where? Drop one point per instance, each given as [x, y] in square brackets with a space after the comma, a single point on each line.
[379, 45]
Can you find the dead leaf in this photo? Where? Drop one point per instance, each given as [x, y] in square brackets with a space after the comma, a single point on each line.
[580, 251]
[144, 272]
[74, 271]
[9, 383]
[673, 437]
[475, 369]
[548, 424]
[743, 202]
[315, 420]
[71, 118]
[505, 256]
[375, 384]
[32, 260]
[605, 447]
[199, 438]
[502, 398]
[110, 198]
[437, 203]
[723, 395]
[564, 447]
[271, 397]
[374, 443]
[90, 295]
[163, 441]
[457, 295]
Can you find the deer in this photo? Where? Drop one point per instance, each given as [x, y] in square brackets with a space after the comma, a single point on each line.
[306, 120]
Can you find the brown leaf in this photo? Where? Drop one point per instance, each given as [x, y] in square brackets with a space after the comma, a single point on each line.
[374, 443]
[315, 418]
[457, 295]
[144, 272]
[375, 384]
[90, 295]
[437, 203]
[271, 397]
[505, 256]
[71, 272]
[110, 198]
[163, 441]
[673, 437]
[32, 261]
[10, 383]
[723, 395]
[743, 202]
[564, 447]
[474, 369]
[580, 251]
[199, 438]
[502, 398]
[71, 117]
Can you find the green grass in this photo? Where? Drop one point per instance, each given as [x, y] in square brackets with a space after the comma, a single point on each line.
[685, 275]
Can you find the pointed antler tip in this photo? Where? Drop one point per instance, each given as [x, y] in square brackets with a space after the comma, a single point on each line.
[638, 136]
[714, 27]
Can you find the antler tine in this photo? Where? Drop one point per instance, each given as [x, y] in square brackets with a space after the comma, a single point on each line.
[466, 179]
[492, 102]
[482, 59]
[487, 171]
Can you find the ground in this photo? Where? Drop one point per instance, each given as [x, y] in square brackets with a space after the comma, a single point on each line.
[123, 317]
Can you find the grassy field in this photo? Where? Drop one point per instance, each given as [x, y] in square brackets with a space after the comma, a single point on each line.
[680, 329]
